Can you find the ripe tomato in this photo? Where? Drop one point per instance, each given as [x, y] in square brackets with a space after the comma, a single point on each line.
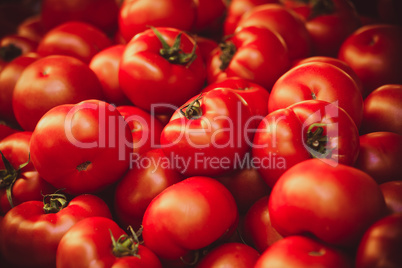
[188, 216]
[100, 240]
[160, 69]
[32, 28]
[392, 191]
[81, 148]
[15, 45]
[210, 13]
[36, 227]
[333, 202]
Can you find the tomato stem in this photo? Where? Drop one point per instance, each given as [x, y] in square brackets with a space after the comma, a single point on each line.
[193, 110]
[126, 245]
[10, 52]
[317, 140]
[228, 49]
[53, 203]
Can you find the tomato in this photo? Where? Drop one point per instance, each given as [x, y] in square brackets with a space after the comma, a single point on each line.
[100, 240]
[382, 110]
[100, 13]
[284, 21]
[209, 135]
[210, 13]
[230, 255]
[52, 81]
[253, 53]
[32, 28]
[150, 174]
[8, 79]
[188, 216]
[105, 65]
[6, 130]
[136, 16]
[145, 128]
[257, 230]
[76, 39]
[81, 148]
[304, 130]
[318, 81]
[36, 227]
[373, 52]
[380, 155]
[303, 252]
[380, 244]
[19, 181]
[333, 202]
[392, 191]
[160, 69]
[15, 45]
[255, 95]
[206, 45]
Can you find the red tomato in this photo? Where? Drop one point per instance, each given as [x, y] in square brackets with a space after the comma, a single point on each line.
[76, 39]
[100, 13]
[210, 14]
[32, 28]
[380, 156]
[100, 241]
[36, 227]
[382, 110]
[334, 202]
[6, 130]
[187, 216]
[52, 81]
[211, 135]
[253, 53]
[137, 15]
[81, 148]
[317, 81]
[149, 175]
[381, 244]
[15, 45]
[19, 181]
[230, 255]
[160, 69]
[284, 21]
[206, 45]
[257, 230]
[145, 128]
[392, 191]
[373, 52]
[308, 129]
[303, 252]
[105, 65]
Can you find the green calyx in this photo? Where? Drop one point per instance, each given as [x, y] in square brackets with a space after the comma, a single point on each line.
[193, 110]
[10, 52]
[126, 245]
[228, 49]
[53, 203]
[317, 140]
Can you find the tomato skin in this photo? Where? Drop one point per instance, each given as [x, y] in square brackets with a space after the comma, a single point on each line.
[187, 216]
[76, 39]
[95, 142]
[150, 81]
[34, 92]
[261, 56]
[135, 16]
[334, 202]
[209, 16]
[382, 110]
[6, 130]
[379, 156]
[320, 81]
[392, 191]
[210, 144]
[25, 44]
[373, 52]
[28, 229]
[306, 252]
[89, 241]
[31, 28]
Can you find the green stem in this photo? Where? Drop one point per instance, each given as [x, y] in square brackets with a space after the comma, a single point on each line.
[126, 245]
[316, 139]
[228, 49]
[193, 110]
[53, 203]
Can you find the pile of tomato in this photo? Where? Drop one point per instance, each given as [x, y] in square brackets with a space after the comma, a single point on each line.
[201, 133]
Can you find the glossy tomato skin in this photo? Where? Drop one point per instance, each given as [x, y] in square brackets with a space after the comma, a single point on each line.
[89, 241]
[392, 191]
[152, 82]
[382, 110]
[100, 13]
[29, 229]
[188, 215]
[380, 244]
[95, 141]
[32, 28]
[373, 52]
[379, 156]
[232, 254]
[150, 174]
[320, 81]
[73, 38]
[334, 202]
[284, 21]
[305, 252]
[213, 141]
[253, 53]
[6, 130]
[35, 90]
[210, 13]
[136, 16]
